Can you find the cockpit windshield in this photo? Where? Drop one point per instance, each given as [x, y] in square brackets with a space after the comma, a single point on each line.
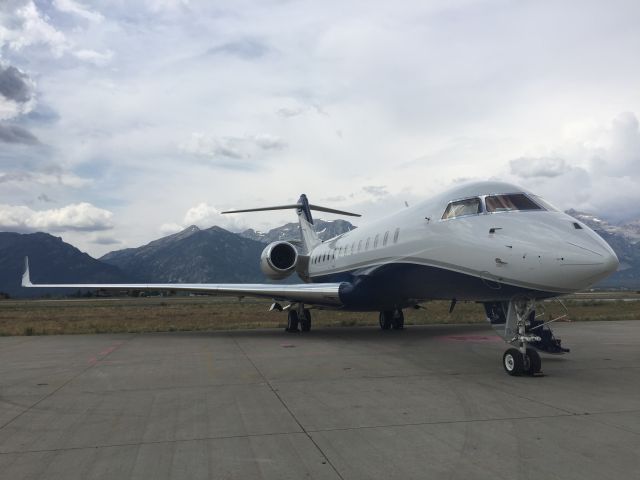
[468, 206]
[509, 202]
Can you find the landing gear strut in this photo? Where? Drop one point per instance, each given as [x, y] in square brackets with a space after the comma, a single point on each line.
[515, 321]
[299, 317]
[391, 319]
[529, 361]
[292, 322]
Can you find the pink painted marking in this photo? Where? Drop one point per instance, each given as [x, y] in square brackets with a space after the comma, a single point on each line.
[93, 360]
[107, 351]
[110, 349]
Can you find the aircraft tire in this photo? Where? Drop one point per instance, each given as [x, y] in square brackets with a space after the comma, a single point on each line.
[533, 363]
[386, 319]
[398, 320]
[305, 323]
[513, 362]
[292, 321]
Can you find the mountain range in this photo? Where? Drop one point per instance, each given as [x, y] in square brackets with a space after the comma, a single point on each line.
[215, 255]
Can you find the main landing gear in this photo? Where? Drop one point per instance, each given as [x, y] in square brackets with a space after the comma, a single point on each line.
[515, 321]
[391, 319]
[299, 317]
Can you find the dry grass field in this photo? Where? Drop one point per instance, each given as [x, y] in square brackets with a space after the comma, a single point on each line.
[161, 314]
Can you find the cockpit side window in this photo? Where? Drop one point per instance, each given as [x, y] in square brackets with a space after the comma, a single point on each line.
[459, 208]
[512, 201]
[546, 205]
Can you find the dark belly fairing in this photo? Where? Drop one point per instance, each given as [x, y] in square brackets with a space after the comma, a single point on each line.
[401, 285]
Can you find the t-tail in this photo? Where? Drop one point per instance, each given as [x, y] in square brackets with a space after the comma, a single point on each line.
[303, 208]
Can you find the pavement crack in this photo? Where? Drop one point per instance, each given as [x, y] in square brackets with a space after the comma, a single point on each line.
[82, 372]
[286, 407]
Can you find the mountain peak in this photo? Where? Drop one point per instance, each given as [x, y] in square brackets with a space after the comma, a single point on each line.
[291, 231]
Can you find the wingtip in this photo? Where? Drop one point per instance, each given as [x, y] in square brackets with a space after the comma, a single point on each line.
[26, 278]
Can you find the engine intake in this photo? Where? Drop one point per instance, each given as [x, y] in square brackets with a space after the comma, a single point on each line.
[278, 260]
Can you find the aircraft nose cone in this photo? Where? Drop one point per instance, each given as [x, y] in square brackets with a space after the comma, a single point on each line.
[610, 263]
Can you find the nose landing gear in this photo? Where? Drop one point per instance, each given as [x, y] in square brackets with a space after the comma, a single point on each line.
[515, 363]
[515, 321]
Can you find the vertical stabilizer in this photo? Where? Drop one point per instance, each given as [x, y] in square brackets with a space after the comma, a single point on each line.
[310, 238]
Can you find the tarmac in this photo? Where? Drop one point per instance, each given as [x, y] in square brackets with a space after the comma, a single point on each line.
[345, 403]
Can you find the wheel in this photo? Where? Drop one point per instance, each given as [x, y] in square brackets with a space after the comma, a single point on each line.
[292, 321]
[305, 322]
[532, 363]
[398, 320]
[385, 319]
[513, 362]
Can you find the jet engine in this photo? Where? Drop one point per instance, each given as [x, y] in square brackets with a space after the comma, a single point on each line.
[278, 260]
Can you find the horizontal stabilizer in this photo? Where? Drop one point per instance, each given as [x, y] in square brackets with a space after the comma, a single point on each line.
[295, 206]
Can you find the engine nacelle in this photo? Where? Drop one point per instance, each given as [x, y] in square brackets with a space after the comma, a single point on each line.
[278, 260]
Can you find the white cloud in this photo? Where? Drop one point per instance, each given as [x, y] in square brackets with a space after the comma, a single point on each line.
[243, 148]
[10, 108]
[526, 167]
[55, 177]
[76, 8]
[166, 5]
[230, 111]
[97, 58]
[170, 228]
[27, 27]
[204, 215]
[75, 217]
[597, 170]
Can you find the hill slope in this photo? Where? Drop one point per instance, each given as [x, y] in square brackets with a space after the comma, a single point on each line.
[213, 255]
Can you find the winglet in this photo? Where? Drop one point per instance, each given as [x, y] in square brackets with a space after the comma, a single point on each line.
[26, 280]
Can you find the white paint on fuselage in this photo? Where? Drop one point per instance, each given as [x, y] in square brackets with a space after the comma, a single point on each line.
[539, 249]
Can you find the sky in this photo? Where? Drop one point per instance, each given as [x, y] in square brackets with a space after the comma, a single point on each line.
[122, 121]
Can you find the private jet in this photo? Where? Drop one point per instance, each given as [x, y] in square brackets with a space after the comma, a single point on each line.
[487, 242]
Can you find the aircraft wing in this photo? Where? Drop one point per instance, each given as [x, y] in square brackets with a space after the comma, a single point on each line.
[325, 294]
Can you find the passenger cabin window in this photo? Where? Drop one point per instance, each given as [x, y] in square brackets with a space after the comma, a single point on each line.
[366, 245]
[360, 245]
[459, 208]
[506, 203]
[396, 235]
[385, 239]
[375, 241]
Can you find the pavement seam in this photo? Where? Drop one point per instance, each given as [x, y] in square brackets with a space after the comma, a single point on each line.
[286, 407]
[610, 425]
[319, 430]
[153, 442]
[449, 422]
[53, 392]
